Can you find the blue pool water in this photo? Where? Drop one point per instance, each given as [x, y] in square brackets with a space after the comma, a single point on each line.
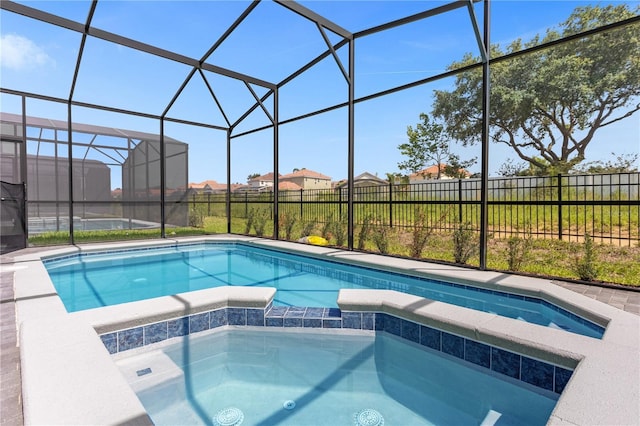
[288, 378]
[93, 280]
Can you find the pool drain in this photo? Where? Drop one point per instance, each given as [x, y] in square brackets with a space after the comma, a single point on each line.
[231, 416]
[369, 417]
[289, 404]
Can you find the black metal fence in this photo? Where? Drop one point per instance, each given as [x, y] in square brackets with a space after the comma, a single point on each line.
[565, 207]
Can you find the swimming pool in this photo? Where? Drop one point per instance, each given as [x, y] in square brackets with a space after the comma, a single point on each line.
[290, 378]
[90, 280]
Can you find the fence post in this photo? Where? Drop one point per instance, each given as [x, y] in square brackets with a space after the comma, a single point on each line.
[460, 200]
[559, 206]
[340, 203]
[208, 204]
[390, 204]
[246, 204]
[301, 204]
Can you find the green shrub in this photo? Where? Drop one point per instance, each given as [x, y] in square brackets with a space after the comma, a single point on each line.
[585, 265]
[260, 221]
[420, 234]
[381, 236]
[307, 228]
[465, 243]
[325, 231]
[251, 216]
[365, 230]
[518, 250]
[287, 222]
[196, 218]
[339, 230]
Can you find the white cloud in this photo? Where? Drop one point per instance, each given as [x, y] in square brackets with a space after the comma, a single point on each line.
[19, 53]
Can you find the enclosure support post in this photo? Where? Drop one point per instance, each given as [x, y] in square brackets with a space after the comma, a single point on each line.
[350, 227]
[276, 180]
[228, 198]
[162, 179]
[484, 191]
[23, 169]
[70, 166]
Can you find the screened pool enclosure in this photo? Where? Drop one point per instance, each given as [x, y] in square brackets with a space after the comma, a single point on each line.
[144, 119]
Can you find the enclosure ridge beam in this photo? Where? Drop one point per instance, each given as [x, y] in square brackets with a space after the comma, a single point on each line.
[124, 41]
[33, 95]
[111, 109]
[194, 123]
[40, 15]
[237, 75]
[142, 47]
[366, 98]
[256, 130]
[333, 52]
[147, 48]
[204, 58]
[312, 62]
[312, 16]
[287, 80]
[413, 18]
[230, 29]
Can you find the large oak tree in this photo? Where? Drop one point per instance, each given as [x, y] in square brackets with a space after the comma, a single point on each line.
[547, 104]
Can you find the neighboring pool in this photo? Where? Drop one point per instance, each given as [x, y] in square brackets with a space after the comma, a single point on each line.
[251, 377]
[93, 280]
[39, 225]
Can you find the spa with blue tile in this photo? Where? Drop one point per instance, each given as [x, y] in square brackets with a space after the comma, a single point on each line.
[534, 372]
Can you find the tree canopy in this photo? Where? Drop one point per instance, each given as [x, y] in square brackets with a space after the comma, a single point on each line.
[547, 104]
[428, 144]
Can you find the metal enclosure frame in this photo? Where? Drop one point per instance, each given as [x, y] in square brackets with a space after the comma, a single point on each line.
[200, 65]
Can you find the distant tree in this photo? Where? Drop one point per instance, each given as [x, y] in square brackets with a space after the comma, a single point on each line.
[253, 176]
[428, 144]
[625, 163]
[509, 168]
[548, 104]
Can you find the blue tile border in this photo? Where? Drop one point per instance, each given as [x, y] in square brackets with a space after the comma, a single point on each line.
[519, 367]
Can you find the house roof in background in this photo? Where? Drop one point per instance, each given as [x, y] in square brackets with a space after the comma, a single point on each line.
[288, 186]
[433, 171]
[307, 174]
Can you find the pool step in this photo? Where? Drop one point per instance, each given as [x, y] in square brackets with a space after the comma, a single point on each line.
[299, 316]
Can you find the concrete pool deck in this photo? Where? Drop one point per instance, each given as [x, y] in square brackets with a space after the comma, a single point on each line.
[605, 389]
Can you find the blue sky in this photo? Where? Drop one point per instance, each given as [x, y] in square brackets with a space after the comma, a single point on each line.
[271, 44]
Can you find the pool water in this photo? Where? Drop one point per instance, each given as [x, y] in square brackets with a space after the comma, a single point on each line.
[289, 378]
[94, 280]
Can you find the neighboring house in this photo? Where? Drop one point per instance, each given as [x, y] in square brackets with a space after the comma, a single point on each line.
[362, 180]
[431, 173]
[308, 179]
[202, 187]
[212, 187]
[288, 186]
[116, 194]
[261, 183]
